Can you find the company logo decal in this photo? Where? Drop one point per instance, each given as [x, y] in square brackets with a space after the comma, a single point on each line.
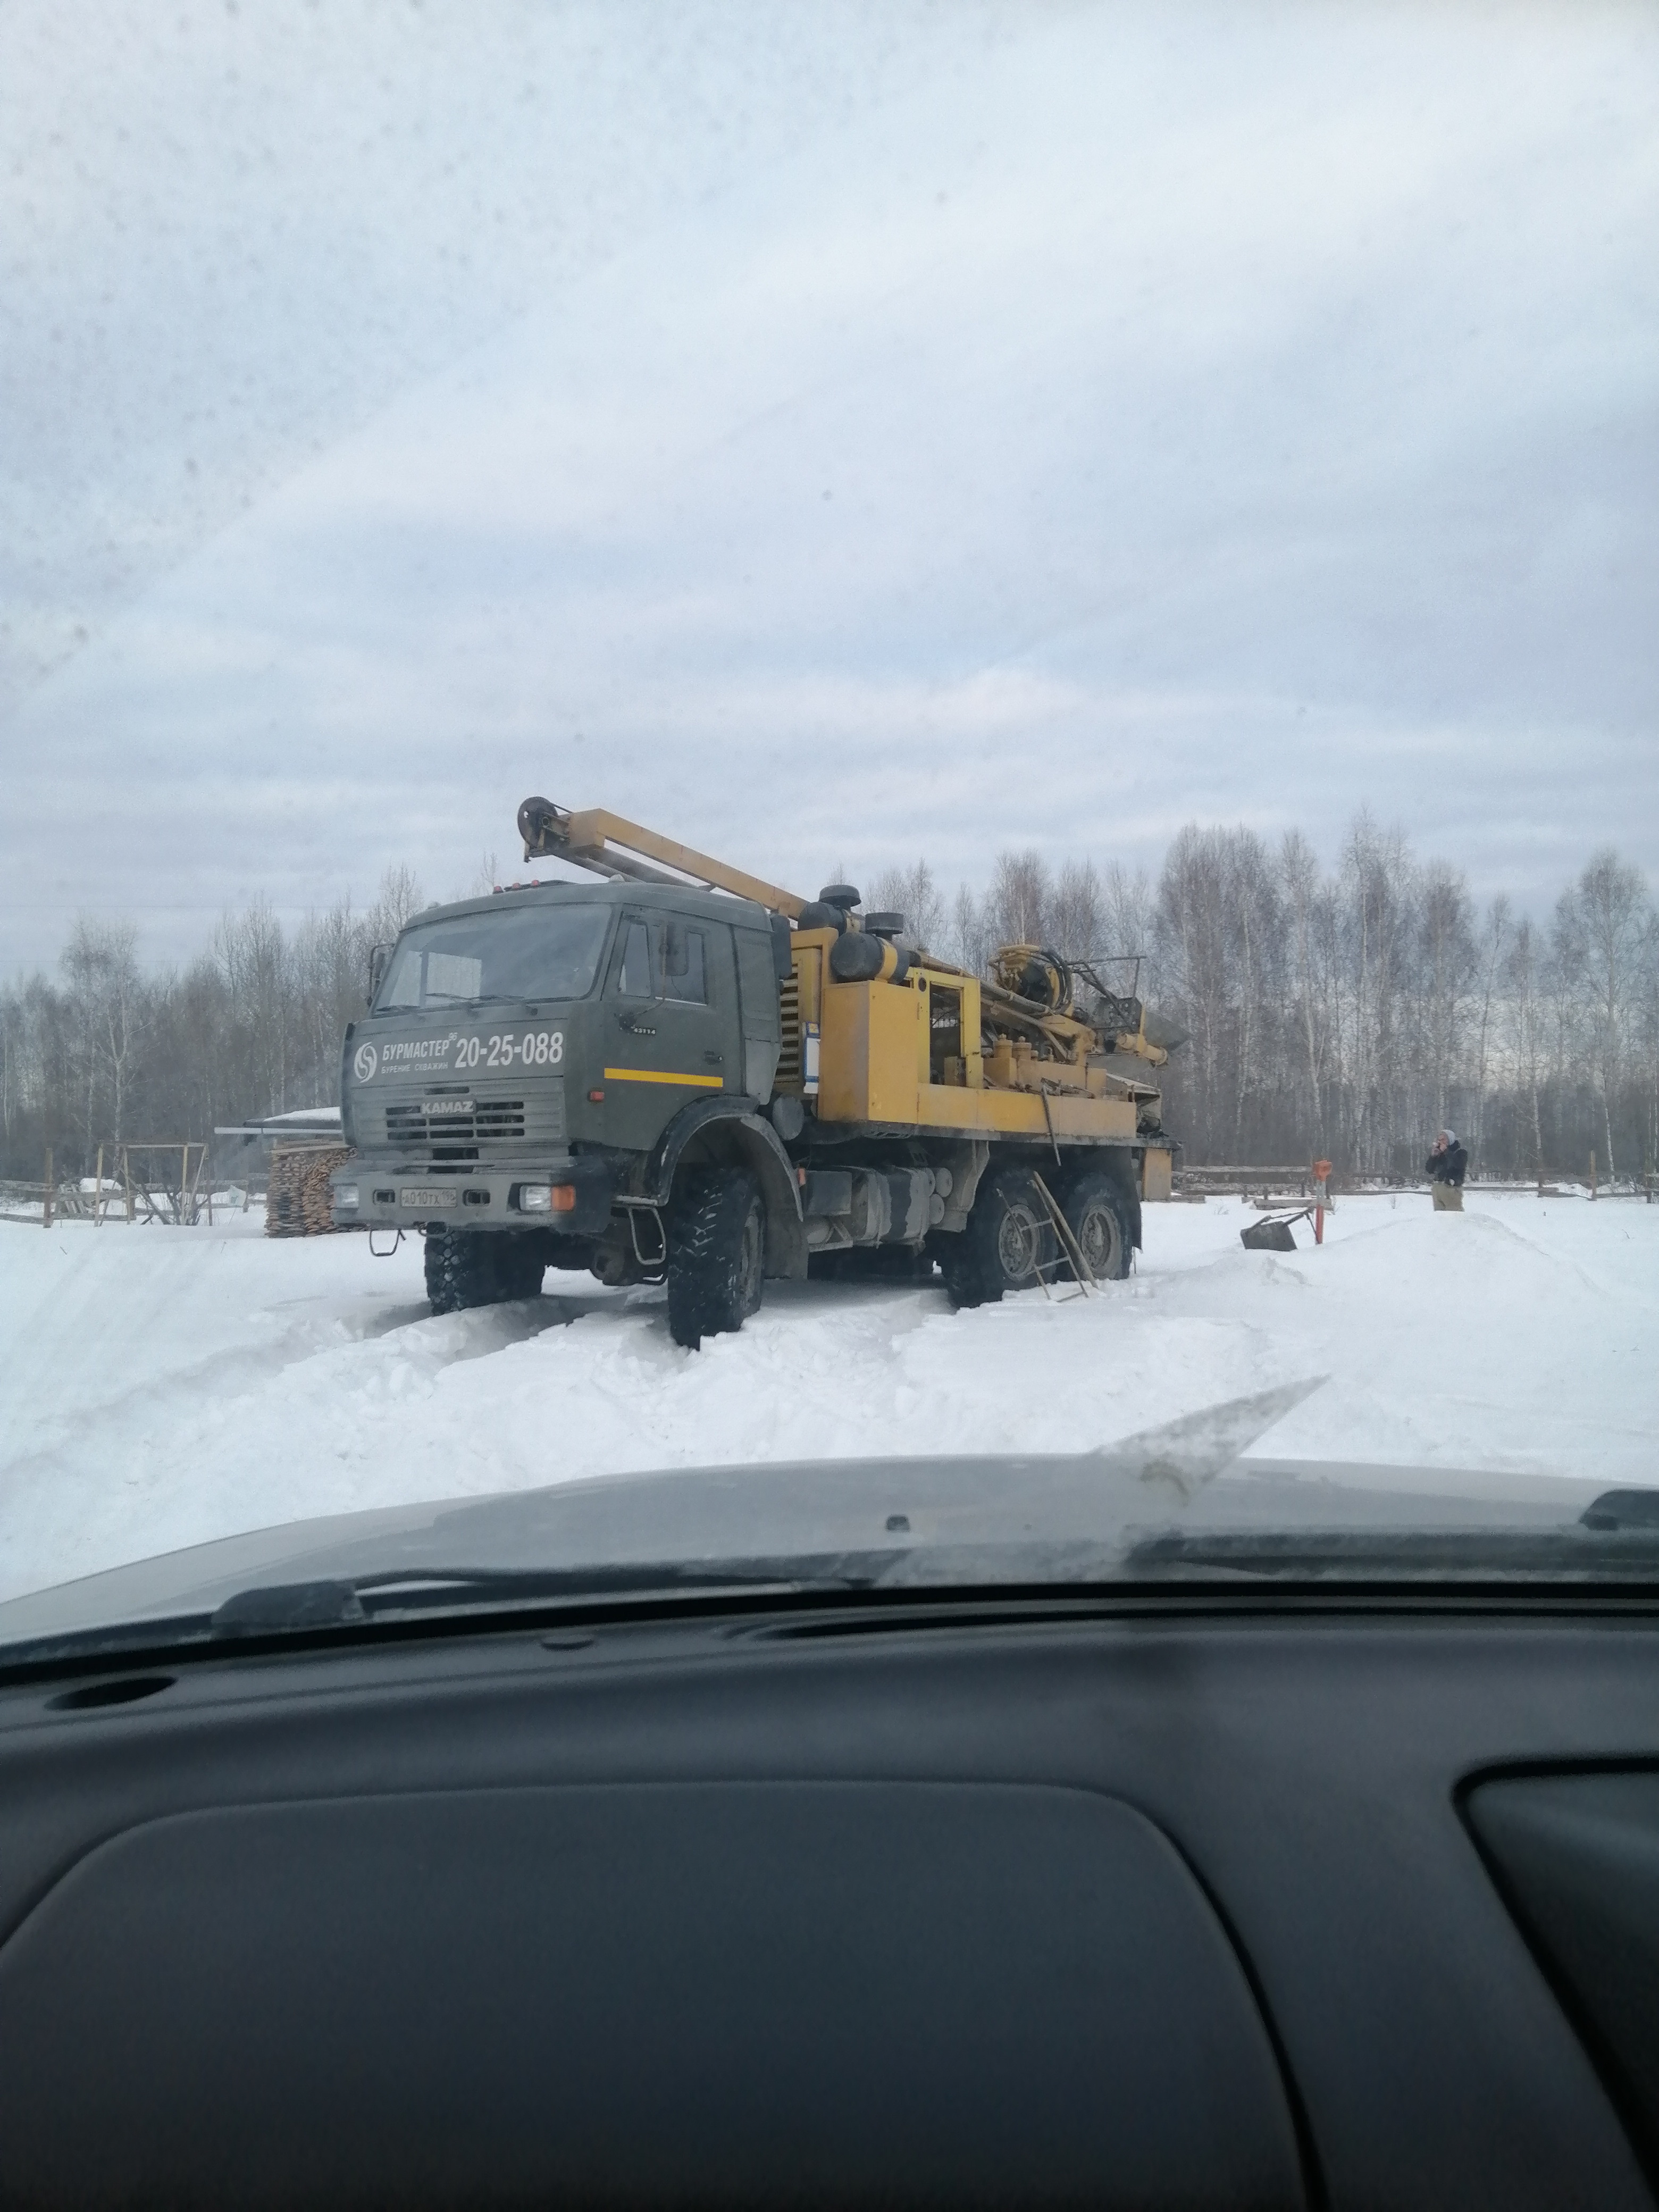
[364, 1063]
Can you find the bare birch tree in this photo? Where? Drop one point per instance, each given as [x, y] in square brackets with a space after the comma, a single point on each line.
[914, 893]
[1019, 902]
[1494, 944]
[1605, 920]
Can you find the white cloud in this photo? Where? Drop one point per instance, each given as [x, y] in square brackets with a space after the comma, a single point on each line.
[1237, 414]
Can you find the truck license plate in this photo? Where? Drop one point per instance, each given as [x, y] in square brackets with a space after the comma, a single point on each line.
[410, 1196]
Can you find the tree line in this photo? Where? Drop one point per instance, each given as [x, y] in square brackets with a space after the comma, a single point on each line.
[1349, 1012]
[1344, 1012]
[105, 1050]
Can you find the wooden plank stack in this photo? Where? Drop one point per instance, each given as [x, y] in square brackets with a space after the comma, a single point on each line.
[297, 1202]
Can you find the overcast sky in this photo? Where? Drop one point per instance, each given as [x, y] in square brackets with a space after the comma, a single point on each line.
[830, 434]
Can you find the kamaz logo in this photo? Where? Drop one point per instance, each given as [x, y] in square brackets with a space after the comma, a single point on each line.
[364, 1062]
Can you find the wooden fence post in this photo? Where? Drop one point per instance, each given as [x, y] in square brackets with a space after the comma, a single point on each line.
[1592, 1176]
[98, 1193]
[45, 1195]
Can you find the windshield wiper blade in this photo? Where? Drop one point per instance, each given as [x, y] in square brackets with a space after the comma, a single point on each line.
[1602, 1551]
[287, 1607]
[323, 1606]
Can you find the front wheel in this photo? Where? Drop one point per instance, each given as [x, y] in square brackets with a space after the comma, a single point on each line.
[519, 1262]
[716, 1255]
[481, 1268]
[458, 1272]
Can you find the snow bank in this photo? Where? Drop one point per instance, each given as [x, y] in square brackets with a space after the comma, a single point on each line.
[163, 1386]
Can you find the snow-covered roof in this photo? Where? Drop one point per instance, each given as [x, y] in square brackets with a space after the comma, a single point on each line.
[317, 1121]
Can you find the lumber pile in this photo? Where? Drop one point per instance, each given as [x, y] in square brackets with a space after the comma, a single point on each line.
[296, 1202]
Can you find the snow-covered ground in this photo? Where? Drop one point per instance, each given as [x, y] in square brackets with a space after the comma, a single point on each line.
[163, 1386]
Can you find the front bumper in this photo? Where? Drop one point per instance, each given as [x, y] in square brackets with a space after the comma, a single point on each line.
[413, 1195]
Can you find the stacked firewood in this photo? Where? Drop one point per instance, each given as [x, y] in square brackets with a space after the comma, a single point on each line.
[297, 1201]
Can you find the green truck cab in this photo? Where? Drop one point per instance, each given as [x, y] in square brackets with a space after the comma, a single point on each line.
[576, 1076]
[706, 1083]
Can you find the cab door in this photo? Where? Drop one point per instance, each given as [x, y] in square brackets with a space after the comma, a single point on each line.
[670, 1024]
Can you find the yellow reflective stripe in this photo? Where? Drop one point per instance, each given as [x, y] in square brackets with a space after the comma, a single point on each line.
[660, 1075]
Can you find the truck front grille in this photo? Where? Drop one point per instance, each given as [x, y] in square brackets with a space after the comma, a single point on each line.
[442, 1126]
[414, 1124]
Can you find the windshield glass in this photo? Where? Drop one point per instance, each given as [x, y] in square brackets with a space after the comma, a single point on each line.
[879, 780]
[517, 953]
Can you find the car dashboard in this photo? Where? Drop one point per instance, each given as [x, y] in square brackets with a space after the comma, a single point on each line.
[1142, 1898]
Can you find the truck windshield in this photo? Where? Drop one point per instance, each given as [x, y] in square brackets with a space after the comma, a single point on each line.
[523, 953]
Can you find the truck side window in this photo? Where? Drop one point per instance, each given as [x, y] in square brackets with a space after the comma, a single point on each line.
[633, 971]
[404, 988]
[681, 967]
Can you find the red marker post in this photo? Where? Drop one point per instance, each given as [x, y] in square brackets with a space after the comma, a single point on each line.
[1322, 1169]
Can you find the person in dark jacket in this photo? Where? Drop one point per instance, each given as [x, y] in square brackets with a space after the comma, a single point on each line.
[1445, 1168]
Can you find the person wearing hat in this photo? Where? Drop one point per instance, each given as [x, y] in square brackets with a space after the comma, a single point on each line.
[1446, 1166]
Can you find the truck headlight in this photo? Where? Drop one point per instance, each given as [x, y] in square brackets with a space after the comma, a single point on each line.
[547, 1197]
[345, 1197]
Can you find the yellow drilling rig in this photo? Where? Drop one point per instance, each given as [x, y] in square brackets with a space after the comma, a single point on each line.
[684, 1072]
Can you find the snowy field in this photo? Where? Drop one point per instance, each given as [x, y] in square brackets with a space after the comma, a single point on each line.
[164, 1386]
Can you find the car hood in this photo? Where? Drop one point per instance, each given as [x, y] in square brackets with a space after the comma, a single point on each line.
[1170, 1503]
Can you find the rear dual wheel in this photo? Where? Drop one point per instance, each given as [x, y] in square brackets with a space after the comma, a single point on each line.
[1096, 1208]
[1010, 1242]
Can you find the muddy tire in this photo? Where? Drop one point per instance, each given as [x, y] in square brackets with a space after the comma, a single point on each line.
[1008, 1237]
[518, 1264]
[458, 1272]
[477, 1269]
[716, 1253]
[1097, 1207]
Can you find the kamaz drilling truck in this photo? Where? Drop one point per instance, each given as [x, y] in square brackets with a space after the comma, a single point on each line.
[678, 1072]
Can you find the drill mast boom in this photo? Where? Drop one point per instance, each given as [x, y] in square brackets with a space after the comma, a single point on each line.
[613, 846]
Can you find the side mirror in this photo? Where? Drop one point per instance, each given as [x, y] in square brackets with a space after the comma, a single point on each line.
[377, 960]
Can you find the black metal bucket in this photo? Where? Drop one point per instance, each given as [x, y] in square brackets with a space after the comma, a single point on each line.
[1267, 1236]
